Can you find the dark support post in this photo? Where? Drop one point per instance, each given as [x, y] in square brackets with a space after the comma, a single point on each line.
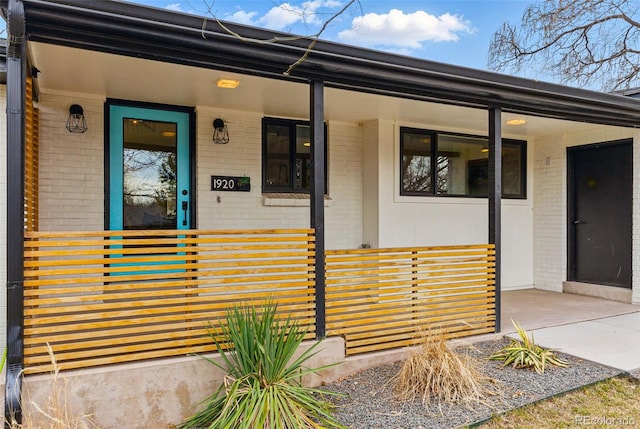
[495, 194]
[16, 77]
[317, 198]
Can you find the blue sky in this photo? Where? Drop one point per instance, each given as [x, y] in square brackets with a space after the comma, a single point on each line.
[452, 31]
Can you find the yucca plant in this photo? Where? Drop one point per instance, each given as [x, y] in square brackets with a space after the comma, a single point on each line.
[262, 388]
[525, 353]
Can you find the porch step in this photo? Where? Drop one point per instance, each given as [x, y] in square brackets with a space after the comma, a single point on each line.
[600, 291]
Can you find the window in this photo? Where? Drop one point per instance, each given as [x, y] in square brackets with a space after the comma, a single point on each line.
[438, 163]
[286, 156]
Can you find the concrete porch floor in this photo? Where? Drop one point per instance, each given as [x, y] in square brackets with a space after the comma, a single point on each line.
[602, 331]
[535, 309]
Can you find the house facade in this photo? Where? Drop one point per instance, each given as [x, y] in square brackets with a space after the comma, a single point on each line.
[359, 150]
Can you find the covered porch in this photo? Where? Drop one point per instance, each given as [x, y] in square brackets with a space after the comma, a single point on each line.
[353, 257]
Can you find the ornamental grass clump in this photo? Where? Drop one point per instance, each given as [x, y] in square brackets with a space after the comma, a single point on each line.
[262, 388]
[55, 412]
[436, 372]
[525, 353]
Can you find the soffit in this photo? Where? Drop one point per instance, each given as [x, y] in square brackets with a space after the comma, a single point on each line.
[71, 70]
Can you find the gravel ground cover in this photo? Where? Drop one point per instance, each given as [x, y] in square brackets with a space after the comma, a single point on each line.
[369, 403]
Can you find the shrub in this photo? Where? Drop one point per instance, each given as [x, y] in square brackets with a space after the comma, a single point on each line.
[525, 353]
[262, 388]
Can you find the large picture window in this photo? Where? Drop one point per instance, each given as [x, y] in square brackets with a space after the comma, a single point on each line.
[439, 163]
[286, 155]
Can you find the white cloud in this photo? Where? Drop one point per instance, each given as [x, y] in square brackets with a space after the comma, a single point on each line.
[405, 30]
[242, 17]
[279, 17]
[176, 7]
[288, 14]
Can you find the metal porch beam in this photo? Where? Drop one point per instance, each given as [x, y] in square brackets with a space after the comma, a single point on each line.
[317, 198]
[495, 196]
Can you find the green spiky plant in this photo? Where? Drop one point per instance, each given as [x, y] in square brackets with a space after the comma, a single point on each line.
[262, 388]
[525, 353]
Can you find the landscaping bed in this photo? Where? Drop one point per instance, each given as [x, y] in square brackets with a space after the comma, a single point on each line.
[369, 402]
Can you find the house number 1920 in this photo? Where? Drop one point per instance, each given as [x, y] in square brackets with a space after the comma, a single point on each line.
[230, 183]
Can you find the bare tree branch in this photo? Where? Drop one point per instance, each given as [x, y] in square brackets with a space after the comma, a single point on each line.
[315, 37]
[278, 39]
[592, 43]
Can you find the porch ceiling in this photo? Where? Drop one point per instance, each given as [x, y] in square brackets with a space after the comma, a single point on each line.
[70, 70]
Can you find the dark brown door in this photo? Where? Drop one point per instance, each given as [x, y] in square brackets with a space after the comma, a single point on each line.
[600, 212]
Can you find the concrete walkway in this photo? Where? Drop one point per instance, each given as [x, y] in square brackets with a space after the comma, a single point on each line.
[594, 329]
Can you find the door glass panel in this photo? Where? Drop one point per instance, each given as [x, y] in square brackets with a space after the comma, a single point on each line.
[149, 174]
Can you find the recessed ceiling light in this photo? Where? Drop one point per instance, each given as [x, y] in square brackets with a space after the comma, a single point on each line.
[227, 83]
[516, 122]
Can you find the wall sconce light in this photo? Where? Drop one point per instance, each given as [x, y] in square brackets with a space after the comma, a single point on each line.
[76, 122]
[220, 132]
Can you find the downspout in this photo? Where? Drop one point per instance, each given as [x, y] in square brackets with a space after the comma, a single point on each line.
[16, 76]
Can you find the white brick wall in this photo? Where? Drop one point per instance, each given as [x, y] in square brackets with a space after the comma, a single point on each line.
[550, 203]
[3, 215]
[344, 217]
[71, 176]
[243, 156]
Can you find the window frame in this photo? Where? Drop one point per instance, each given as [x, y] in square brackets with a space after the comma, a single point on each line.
[291, 124]
[432, 192]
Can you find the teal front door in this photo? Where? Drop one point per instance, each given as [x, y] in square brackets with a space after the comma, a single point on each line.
[149, 169]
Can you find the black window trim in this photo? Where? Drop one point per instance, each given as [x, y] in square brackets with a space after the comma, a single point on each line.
[291, 123]
[434, 149]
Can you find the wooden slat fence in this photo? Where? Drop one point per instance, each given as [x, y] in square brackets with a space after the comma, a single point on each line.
[31, 160]
[117, 296]
[380, 299]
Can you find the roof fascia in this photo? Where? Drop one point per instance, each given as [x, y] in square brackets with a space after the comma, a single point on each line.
[158, 34]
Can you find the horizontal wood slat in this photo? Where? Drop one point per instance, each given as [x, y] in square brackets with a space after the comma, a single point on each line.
[379, 299]
[31, 154]
[106, 297]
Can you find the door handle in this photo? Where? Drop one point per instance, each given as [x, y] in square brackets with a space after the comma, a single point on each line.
[185, 207]
[578, 222]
